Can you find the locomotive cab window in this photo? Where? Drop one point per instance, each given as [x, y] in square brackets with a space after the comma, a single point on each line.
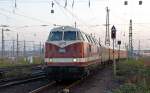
[55, 36]
[70, 35]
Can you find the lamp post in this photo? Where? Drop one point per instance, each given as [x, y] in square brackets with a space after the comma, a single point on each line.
[3, 41]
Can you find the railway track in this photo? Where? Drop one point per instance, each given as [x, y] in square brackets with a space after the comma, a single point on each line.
[4, 70]
[61, 87]
[16, 82]
[58, 87]
[36, 72]
[40, 89]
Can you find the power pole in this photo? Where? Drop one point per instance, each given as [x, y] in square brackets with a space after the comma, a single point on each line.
[33, 52]
[17, 51]
[107, 36]
[139, 49]
[40, 52]
[24, 49]
[13, 48]
[130, 41]
[3, 47]
[3, 42]
[43, 49]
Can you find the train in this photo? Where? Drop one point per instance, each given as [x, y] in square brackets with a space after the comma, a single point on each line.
[72, 54]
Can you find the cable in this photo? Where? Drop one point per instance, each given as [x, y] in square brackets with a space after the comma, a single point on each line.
[28, 17]
[73, 15]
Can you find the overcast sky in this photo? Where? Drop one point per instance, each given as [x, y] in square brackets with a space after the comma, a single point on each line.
[27, 18]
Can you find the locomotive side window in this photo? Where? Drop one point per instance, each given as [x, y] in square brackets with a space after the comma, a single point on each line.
[88, 38]
[55, 36]
[70, 35]
[79, 36]
[84, 36]
[94, 41]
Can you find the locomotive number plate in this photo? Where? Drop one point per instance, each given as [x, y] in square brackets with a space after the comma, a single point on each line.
[62, 50]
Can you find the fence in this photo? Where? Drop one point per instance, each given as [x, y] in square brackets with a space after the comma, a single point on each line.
[14, 49]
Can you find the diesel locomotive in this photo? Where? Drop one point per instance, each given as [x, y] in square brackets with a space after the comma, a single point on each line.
[72, 54]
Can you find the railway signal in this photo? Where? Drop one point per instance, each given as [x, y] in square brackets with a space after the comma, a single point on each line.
[113, 36]
[113, 32]
[119, 43]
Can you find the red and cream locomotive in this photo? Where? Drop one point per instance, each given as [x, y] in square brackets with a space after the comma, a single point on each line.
[71, 53]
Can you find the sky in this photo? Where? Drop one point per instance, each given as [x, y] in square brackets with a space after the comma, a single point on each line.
[33, 20]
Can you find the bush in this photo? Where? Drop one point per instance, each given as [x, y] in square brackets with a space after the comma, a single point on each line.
[130, 69]
[6, 62]
[132, 88]
[135, 76]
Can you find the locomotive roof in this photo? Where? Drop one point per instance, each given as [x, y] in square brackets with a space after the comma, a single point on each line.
[65, 28]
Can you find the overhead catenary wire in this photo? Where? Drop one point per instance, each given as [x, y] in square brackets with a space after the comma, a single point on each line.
[35, 19]
[74, 16]
[44, 1]
[25, 16]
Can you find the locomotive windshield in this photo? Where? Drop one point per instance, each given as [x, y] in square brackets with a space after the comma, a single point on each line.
[55, 36]
[66, 35]
[69, 35]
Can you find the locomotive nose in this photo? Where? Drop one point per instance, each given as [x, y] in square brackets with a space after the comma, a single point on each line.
[62, 44]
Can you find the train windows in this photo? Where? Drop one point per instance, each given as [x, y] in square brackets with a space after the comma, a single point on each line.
[84, 36]
[88, 38]
[94, 41]
[55, 36]
[70, 35]
[79, 36]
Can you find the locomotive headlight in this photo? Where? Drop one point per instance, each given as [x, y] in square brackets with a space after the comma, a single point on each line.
[50, 60]
[74, 60]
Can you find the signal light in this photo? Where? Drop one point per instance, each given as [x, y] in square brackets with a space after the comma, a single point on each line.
[113, 32]
[52, 11]
[119, 42]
